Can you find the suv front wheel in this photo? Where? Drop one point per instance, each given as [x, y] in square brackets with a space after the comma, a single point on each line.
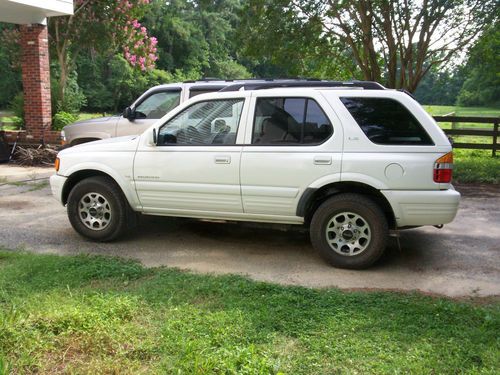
[98, 210]
[349, 231]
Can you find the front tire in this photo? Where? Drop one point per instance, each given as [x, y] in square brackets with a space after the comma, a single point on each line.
[349, 231]
[98, 210]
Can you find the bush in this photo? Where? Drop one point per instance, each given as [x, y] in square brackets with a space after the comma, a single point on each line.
[61, 119]
[111, 84]
[73, 100]
[17, 107]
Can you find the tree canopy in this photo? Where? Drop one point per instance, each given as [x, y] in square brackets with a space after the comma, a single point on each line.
[393, 42]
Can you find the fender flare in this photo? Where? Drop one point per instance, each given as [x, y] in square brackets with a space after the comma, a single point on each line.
[125, 185]
[307, 196]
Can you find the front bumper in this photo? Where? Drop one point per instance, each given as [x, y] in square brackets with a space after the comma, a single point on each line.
[56, 185]
[416, 208]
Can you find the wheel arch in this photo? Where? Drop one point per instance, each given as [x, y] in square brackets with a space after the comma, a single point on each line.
[82, 174]
[312, 198]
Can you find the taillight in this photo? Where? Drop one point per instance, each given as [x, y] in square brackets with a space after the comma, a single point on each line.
[443, 168]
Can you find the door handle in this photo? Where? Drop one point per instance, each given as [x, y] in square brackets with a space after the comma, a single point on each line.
[323, 160]
[222, 159]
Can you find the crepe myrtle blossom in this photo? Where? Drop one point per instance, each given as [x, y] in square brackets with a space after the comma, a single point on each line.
[138, 47]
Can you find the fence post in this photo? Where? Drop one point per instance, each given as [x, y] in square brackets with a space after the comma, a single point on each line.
[495, 137]
[453, 124]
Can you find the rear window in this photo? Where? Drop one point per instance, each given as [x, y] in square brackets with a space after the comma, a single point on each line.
[386, 121]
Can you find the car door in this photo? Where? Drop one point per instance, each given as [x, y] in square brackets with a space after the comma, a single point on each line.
[293, 141]
[147, 111]
[194, 168]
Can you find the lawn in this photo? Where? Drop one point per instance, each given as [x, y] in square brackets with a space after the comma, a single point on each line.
[471, 165]
[89, 314]
[440, 110]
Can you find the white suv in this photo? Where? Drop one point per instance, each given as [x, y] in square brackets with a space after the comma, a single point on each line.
[350, 160]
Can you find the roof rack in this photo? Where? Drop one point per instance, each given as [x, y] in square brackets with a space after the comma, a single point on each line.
[366, 85]
[249, 80]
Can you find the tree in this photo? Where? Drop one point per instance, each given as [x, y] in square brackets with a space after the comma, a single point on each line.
[482, 85]
[276, 42]
[10, 64]
[197, 37]
[395, 42]
[105, 26]
[440, 87]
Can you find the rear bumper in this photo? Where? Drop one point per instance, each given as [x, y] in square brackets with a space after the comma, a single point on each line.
[56, 185]
[415, 208]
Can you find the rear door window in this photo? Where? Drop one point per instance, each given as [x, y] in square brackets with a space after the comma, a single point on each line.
[386, 121]
[290, 121]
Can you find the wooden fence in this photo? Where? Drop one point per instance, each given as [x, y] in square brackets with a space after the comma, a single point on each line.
[493, 132]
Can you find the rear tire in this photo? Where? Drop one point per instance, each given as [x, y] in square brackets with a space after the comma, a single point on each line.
[98, 210]
[349, 231]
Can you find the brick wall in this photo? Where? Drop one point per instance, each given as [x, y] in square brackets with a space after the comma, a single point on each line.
[36, 84]
[51, 137]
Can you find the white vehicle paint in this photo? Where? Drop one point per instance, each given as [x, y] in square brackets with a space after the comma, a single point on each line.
[183, 166]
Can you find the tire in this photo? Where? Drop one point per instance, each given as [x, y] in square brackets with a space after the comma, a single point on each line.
[98, 210]
[349, 231]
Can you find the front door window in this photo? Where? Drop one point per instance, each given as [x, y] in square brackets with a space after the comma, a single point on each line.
[213, 122]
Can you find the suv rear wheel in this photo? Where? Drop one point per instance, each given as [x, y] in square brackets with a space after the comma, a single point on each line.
[349, 231]
[98, 210]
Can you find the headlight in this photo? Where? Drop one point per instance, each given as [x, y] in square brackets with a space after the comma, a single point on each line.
[63, 135]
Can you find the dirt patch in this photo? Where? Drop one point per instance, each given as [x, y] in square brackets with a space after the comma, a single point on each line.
[14, 205]
[478, 190]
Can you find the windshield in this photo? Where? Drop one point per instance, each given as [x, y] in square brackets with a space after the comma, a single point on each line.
[158, 104]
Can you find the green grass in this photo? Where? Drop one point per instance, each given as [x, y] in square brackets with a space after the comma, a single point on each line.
[440, 110]
[10, 122]
[476, 166]
[88, 314]
[471, 166]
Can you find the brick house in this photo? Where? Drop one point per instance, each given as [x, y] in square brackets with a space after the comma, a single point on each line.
[32, 16]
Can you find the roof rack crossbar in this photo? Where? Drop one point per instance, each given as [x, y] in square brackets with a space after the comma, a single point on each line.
[366, 85]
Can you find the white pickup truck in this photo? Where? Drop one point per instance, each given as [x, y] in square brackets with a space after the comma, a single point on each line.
[350, 160]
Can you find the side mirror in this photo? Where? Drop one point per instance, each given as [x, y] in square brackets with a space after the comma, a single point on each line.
[128, 113]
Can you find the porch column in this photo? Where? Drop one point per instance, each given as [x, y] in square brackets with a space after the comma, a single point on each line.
[36, 82]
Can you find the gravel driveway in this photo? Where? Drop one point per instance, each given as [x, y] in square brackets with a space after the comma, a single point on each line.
[462, 259]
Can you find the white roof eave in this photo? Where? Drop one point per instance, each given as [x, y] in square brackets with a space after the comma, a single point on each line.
[33, 11]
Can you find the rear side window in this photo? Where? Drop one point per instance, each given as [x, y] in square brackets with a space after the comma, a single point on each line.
[290, 121]
[198, 90]
[386, 121]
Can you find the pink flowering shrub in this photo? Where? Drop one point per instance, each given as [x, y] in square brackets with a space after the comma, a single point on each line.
[119, 20]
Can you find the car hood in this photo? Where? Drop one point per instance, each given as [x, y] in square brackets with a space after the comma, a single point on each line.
[126, 143]
[91, 121]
